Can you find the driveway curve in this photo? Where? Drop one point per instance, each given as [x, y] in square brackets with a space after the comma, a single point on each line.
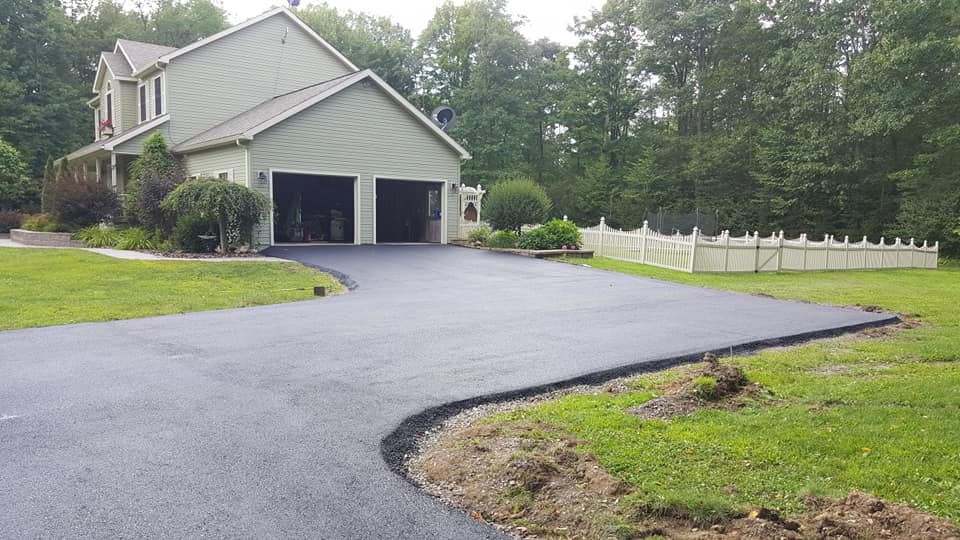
[268, 421]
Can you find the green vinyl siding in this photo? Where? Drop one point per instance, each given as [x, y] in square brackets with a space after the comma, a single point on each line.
[226, 77]
[125, 105]
[360, 132]
[207, 163]
[135, 145]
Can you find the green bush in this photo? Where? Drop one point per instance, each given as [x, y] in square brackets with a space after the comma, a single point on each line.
[17, 190]
[502, 239]
[512, 204]
[11, 219]
[99, 236]
[556, 234]
[706, 388]
[43, 223]
[187, 232]
[139, 238]
[235, 208]
[480, 234]
[153, 176]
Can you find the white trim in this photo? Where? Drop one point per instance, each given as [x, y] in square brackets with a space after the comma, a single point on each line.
[356, 198]
[113, 171]
[228, 172]
[193, 177]
[146, 126]
[346, 83]
[165, 59]
[113, 76]
[142, 105]
[153, 95]
[443, 202]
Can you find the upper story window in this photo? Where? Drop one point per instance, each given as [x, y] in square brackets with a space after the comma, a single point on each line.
[142, 101]
[158, 95]
[109, 98]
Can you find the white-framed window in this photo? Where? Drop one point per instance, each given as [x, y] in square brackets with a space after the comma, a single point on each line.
[226, 174]
[193, 177]
[109, 99]
[143, 105]
[158, 97]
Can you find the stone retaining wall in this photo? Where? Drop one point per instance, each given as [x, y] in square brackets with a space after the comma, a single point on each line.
[50, 239]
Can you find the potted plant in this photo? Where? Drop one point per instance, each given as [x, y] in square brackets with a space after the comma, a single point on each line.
[106, 128]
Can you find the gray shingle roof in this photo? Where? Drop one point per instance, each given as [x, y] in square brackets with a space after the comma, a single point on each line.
[143, 54]
[263, 112]
[117, 64]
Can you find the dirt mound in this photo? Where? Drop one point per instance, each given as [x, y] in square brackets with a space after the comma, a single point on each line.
[723, 383]
[860, 515]
[522, 479]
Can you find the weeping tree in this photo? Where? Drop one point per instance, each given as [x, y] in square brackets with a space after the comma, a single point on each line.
[235, 208]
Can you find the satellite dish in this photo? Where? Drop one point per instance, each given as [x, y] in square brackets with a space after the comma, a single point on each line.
[294, 3]
[444, 118]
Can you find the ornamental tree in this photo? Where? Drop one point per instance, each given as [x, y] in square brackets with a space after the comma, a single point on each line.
[234, 207]
[512, 204]
[153, 175]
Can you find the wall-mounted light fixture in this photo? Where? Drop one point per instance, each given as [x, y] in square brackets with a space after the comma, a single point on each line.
[261, 177]
[455, 188]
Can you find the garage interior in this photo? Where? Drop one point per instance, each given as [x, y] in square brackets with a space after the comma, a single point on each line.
[313, 209]
[408, 211]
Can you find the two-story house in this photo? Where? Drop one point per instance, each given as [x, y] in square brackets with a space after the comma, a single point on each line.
[271, 105]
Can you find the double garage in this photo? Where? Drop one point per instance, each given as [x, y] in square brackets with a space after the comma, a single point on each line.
[321, 209]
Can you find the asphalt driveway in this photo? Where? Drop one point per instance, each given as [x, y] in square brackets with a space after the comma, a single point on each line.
[268, 421]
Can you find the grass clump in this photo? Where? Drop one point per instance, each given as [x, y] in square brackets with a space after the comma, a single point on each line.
[706, 388]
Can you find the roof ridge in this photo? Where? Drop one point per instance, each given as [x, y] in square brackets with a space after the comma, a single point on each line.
[314, 84]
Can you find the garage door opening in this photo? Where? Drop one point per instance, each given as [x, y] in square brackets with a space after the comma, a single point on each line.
[313, 209]
[408, 211]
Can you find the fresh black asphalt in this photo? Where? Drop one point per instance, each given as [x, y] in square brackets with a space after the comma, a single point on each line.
[285, 421]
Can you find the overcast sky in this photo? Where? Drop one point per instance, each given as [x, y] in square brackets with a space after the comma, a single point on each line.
[545, 18]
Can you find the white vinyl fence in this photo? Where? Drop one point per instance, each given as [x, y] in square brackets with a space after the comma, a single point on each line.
[751, 253]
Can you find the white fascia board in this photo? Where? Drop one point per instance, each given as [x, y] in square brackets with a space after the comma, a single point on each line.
[420, 116]
[165, 59]
[347, 81]
[222, 141]
[146, 126]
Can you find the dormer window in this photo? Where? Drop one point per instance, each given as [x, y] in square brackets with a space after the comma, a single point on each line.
[158, 95]
[142, 101]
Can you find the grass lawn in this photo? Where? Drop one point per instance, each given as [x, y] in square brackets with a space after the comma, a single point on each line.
[41, 287]
[878, 414]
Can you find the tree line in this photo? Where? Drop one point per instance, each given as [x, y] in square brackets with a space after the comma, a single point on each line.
[816, 116]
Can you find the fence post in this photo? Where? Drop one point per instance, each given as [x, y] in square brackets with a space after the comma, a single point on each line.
[827, 240]
[846, 252]
[726, 249]
[803, 243]
[693, 248]
[756, 251]
[643, 242]
[882, 242]
[865, 249]
[913, 248]
[603, 225]
[780, 250]
[936, 253]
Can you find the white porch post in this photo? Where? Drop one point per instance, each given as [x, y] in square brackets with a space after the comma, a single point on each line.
[96, 166]
[113, 170]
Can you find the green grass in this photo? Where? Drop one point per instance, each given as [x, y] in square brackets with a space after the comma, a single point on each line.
[41, 287]
[886, 422]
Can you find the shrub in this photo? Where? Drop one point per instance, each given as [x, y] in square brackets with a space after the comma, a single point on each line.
[187, 232]
[235, 208]
[78, 202]
[480, 234]
[706, 388]
[10, 219]
[17, 190]
[502, 239]
[99, 236]
[139, 238]
[514, 203]
[153, 176]
[43, 223]
[554, 235]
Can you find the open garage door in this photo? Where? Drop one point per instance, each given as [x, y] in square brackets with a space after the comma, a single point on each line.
[409, 211]
[314, 208]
